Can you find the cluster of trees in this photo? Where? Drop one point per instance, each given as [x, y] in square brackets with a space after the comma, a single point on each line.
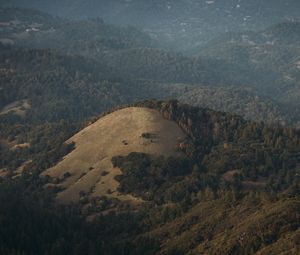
[45, 145]
[152, 178]
[240, 101]
[32, 224]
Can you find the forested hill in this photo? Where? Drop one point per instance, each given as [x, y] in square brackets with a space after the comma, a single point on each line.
[236, 181]
[44, 92]
[46, 85]
[74, 88]
[131, 52]
[57, 86]
[127, 50]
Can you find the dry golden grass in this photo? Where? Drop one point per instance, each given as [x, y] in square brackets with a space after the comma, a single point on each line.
[118, 133]
[20, 146]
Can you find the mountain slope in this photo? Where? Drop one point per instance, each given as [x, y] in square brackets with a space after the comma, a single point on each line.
[89, 165]
[126, 50]
[75, 88]
[230, 187]
[212, 140]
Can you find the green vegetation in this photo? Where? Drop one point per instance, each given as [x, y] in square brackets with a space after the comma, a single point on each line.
[152, 178]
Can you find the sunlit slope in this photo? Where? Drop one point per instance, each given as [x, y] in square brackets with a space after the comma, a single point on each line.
[119, 133]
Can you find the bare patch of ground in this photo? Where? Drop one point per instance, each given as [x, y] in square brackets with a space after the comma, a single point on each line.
[20, 146]
[89, 165]
[12, 145]
[3, 172]
[19, 108]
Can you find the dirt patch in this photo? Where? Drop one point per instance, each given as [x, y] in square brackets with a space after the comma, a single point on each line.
[99, 142]
[19, 108]
[20, 146]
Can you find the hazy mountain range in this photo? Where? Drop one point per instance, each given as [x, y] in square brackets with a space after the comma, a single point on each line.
[181, 24]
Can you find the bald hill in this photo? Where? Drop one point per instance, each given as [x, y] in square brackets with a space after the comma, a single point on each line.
[226, 146]
[88, 168]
